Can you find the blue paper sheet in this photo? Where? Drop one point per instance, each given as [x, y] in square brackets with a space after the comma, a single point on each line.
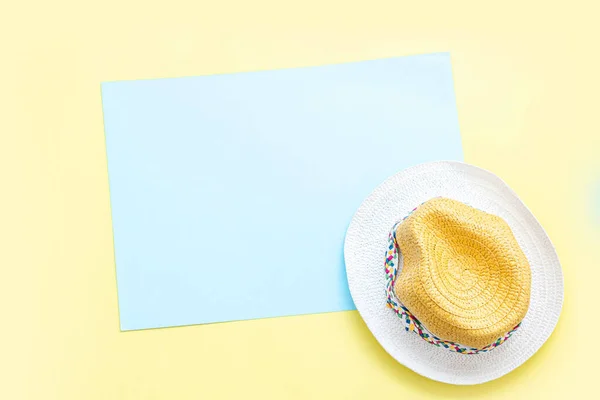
[231, 194]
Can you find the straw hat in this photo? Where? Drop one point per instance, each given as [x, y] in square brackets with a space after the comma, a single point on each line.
[452, 273]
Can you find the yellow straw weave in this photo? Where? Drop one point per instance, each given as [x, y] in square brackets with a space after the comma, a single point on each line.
[464, 275]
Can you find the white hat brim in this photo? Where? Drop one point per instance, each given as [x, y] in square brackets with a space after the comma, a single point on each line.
[365, 247]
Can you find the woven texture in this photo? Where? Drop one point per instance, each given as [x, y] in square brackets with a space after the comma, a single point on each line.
[464, 275]
[366, 242]
[411, 323]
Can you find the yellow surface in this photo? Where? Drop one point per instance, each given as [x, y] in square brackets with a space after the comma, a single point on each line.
[527, 82]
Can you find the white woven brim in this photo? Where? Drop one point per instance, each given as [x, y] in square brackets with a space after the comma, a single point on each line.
[365, 247]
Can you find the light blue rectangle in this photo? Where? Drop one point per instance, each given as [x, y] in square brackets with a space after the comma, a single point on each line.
[231, 194]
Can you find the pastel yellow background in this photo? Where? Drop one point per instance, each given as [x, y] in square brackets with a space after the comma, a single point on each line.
[527, 82]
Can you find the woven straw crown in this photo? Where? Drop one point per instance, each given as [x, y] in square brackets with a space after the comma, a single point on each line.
[464, 275]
